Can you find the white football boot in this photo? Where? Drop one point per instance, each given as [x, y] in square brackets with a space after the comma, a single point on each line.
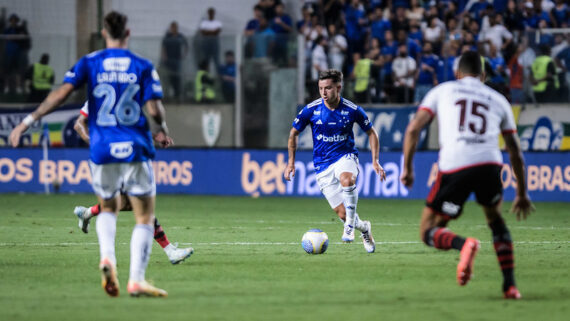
[176, 255]
[82, 215]
[348, 234]
[367, 238]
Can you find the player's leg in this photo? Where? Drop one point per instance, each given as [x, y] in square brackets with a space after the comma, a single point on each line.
[106, 184]
[141, 189]
[444, 202]
[84, 215]
[490, 196]
[175, 255]
[504, 248]
[106, 227]
[141, 246]
[346, 169]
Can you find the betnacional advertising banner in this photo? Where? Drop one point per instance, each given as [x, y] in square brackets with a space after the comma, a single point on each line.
[390, 123]
[260, 173]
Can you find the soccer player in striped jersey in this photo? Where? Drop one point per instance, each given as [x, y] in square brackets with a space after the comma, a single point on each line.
[84, 214]
[119, 84]
[471, 116]
[335, 158]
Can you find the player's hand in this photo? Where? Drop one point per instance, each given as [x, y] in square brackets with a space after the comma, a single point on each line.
[379, 170]
[407, 178]
[522, 206]
[16, 133]
[163, 140]
[289, 172]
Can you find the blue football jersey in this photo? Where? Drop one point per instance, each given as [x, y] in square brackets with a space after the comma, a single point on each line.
[119, 83]
[332, 130]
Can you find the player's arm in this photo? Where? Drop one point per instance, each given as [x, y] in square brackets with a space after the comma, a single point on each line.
[155, 110]
[292, 149]
[521, 204]
[52, 101]
[82, 128]
[422, 118]
[375, 150]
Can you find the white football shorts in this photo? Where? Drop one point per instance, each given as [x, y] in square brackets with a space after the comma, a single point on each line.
[135, 179]
[329, 179]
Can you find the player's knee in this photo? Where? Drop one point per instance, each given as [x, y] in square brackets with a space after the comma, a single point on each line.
[347, 179]
[500, 231]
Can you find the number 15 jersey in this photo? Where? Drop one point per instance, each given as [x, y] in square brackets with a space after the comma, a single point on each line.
[119, 83]
[471, 116]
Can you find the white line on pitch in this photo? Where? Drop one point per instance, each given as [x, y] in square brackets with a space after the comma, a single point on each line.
[6, 244]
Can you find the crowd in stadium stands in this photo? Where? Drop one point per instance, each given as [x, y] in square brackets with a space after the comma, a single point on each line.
[396, 50]
[389, 50]
[15, 46]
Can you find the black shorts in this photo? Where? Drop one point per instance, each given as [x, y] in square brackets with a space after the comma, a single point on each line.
[451, 190]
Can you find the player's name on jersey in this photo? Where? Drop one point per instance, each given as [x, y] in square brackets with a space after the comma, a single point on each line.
[120, 77]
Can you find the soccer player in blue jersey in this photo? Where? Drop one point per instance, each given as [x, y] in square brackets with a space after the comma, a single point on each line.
[85, 214]
[335, 158]
[119, 83]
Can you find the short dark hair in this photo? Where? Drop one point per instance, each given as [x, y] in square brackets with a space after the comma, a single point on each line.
[116, 25]
[334, 74]
[470, 63]
[44, 59]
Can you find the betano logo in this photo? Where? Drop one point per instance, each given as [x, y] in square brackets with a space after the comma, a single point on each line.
[331, 139]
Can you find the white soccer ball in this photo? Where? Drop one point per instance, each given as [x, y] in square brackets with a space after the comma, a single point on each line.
[315, 241]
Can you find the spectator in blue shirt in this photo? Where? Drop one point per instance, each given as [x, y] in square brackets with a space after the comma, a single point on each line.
[228, 74]
[305, 22]
[500, 6]
[379, 25]
[561, 14]
[263, 39]
[282, 23]
[355, 18]
[445, 65]
[531, 18]
[253, 24]
[477, 10]
[426, 74]
[545, 38]
[498, 66]
[416, 32]
[282, 26]
[390, 47]
[413, 49]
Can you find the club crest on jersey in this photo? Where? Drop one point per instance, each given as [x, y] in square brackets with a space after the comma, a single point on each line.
[117, 64]
[211, 125]
[121, 150]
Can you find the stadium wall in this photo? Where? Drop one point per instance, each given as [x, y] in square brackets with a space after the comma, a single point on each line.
[259, 173]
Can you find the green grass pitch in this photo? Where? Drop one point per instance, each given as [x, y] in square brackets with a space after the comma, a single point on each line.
[249, 264]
